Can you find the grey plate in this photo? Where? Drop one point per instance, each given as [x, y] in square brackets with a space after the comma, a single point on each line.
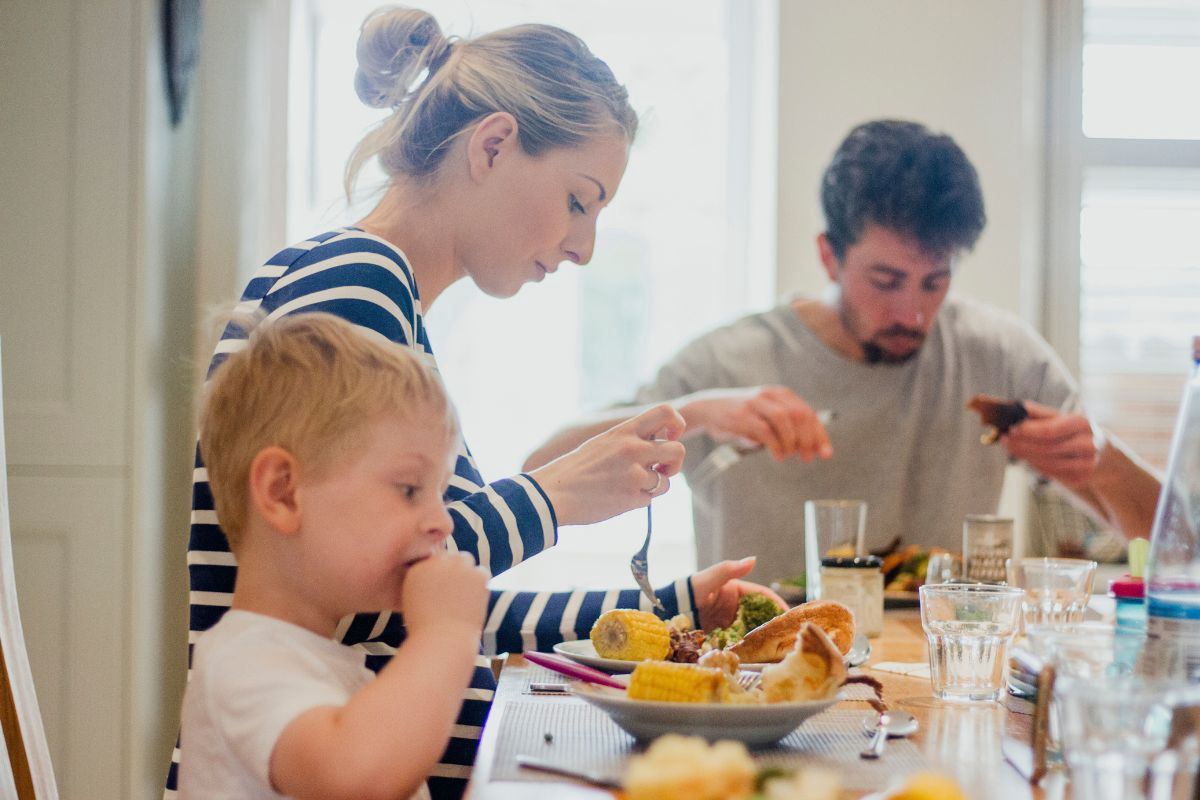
[754, 725]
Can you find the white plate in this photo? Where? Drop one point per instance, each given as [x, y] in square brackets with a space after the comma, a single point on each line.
[583, 651]
[755, 725]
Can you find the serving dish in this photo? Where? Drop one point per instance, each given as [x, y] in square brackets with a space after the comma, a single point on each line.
[755, 725]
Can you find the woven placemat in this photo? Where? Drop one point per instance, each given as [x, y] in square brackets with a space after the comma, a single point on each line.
[580, 735]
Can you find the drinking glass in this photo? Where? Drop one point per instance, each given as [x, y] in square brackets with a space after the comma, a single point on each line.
[1057, 590]
[968, 627]
[831, 525]
[987, 546]
[1126, 737]
[943, 568]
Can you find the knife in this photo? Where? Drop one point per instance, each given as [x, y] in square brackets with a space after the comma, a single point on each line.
[587, 775]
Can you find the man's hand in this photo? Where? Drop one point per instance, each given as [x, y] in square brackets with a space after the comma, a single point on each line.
[773, 416]
[718, 590]
[1060, 446]
[621, 469]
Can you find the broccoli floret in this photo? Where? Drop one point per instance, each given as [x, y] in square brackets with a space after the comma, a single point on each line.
[753, 610]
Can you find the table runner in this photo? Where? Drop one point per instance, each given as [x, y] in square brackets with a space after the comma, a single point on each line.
[581, 735]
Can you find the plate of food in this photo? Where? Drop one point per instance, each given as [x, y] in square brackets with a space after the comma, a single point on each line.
[713, 698]
[623, 638]
[755, 725]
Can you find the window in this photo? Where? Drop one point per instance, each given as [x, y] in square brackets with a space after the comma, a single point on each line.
[1126, 192]
[685, 246]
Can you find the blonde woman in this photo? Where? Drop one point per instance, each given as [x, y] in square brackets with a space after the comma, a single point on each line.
[500, 153]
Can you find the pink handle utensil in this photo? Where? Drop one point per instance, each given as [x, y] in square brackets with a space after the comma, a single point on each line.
[565, 666]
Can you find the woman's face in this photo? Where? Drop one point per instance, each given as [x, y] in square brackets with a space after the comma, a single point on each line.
[537, 212]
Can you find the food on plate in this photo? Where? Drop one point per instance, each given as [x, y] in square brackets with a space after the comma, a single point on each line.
[754, 609]
[771, 641]
[928, 786]
[687, 643]
[812, 670]
[627, 634]
[669, 682]
[678, 767]
[998, 414]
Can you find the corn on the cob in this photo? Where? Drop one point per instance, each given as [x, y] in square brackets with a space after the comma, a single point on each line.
[631, 635]
[677, 683]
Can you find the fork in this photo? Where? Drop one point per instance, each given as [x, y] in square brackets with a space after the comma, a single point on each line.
[640, 568]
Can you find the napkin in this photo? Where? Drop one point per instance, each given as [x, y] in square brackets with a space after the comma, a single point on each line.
[918, 669]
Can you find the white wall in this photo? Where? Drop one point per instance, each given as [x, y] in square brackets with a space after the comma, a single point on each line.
[972, 69]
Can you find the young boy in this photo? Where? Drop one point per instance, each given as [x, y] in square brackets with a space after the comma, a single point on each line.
[328, 454]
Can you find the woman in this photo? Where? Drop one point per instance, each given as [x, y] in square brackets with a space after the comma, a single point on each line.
[500, 153]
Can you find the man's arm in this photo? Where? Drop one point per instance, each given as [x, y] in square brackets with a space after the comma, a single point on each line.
[1097, 469]
[773, 416]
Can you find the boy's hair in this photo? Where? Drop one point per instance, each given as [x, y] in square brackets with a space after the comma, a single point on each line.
[312, 384]
[903, 177]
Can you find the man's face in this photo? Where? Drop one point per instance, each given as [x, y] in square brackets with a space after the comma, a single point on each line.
[890, 292]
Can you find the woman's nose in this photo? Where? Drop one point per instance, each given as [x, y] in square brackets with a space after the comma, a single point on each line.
[580, 243]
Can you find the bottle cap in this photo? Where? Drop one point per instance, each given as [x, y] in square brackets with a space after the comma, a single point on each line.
[859, 562]
[1127, 587]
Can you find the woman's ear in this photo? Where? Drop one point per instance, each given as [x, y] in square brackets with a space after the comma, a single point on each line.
[273, 482]
[495, 135]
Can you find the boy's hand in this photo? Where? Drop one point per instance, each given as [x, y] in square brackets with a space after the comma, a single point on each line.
[445, 592]
[719, 588]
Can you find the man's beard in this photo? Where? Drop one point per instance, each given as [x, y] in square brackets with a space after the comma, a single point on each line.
[874, 354]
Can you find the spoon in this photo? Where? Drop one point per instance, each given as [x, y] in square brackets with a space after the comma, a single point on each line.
[898, 724]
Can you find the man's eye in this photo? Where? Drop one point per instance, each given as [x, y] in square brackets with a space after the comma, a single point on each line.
[886, 286]
[575, 206]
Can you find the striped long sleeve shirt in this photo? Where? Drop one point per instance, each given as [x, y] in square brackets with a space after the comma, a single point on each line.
[368, 282]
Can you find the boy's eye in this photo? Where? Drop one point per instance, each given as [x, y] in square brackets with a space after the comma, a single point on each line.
[408, 490]
[574, 205]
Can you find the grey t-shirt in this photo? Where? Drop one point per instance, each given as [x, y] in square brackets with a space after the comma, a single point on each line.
[902, 438]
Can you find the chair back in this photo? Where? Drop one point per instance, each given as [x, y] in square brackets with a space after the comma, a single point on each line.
[25, 771]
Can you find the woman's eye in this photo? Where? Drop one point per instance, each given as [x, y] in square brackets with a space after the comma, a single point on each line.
[576, 206]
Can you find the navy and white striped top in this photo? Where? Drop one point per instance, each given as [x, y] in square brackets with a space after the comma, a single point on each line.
[367, 281]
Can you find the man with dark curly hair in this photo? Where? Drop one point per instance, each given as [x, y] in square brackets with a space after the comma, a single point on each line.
[897, 358]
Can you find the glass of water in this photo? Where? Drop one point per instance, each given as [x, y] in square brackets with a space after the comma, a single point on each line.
[1128, 738]
[968, 628]
[1057, 590]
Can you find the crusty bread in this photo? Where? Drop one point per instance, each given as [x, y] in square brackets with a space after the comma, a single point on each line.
[771, 641]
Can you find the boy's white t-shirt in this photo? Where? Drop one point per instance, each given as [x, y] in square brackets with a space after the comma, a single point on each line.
[251, 676]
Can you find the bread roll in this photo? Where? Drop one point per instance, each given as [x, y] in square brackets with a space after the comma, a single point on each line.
[771, 641]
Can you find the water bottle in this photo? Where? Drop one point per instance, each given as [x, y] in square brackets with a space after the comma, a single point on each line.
[1173, 570]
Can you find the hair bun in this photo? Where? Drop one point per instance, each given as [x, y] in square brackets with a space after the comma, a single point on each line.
[394, 45]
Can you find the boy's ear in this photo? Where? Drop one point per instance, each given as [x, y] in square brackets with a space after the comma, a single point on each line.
[273, 481]
[493, 137]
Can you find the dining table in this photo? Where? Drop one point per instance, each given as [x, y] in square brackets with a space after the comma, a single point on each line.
[984, 746]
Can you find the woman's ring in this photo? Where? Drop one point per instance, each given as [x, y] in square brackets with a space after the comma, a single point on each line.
[657, 482]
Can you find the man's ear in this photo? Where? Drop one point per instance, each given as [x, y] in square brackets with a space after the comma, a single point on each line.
[493, 137]
[273, 482]
[829, 259]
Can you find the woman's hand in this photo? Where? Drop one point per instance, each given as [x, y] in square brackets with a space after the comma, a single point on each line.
[618, 470]
[773, 416]
[718, 590]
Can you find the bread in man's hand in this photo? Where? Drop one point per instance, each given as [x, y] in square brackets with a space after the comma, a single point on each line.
[771, 641]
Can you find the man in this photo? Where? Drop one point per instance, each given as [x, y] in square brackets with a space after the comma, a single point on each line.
[897, 360]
